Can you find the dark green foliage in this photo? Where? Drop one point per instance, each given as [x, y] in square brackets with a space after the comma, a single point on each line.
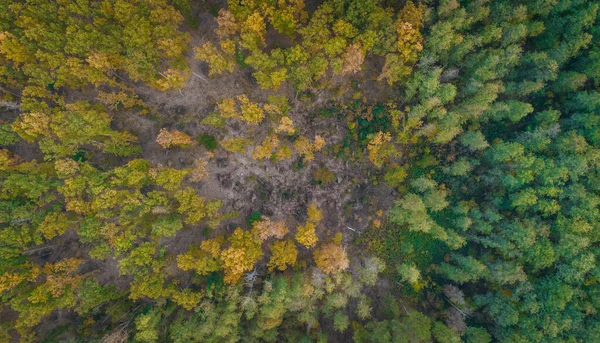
[255, 216]
[367, 120]
[207, 141]
[493, 161]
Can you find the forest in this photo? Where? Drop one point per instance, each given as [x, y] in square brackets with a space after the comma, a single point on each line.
[365, 171]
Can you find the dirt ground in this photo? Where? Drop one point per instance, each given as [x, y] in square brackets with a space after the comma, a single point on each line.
[280, 191]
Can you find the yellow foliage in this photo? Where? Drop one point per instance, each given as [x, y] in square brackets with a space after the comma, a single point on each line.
[228, 46]
[253, 32]
[344, 29]
[227, 108]
[227, 24]
[272, 109]
[13, 49]
[66, 168]
[243, 253]
[199, 171]
[236, 144]
[265, 149]
[6, 159]
[380, 148]
[286, 125]
[100, 61]
[314, 214]
[267, 228]
[54, 224]
[352, 59]
[410, 21]
[11, 280]
[251, 112]
[186, 298]
[204, 260]
[284, 254]
[306, 235]
[167, 138]
[120, 99]
[331, 258]
[283, 153]
[32, 125]
[319, 143]
[218, 62]
[60, 275]
[171, 79]
[304, 147]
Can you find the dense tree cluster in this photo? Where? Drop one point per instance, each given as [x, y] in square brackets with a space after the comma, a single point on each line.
[449, 153]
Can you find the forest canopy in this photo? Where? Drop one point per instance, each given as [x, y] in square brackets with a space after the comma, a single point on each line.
[300, 171]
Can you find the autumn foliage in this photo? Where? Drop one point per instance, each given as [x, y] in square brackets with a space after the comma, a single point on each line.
[170, 138]
[331, 258]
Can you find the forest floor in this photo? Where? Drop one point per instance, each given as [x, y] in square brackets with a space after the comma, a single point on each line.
[281, 191]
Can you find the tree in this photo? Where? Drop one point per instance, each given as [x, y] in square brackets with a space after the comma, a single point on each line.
[204, 260]
[477, 335]
[195, 208]
[199, 172]
[306, 235]
[286, 126]
[283, 255]
[314, 214]
[331, 258]
[266, 148]
[243, 252]
[228, 25]
[168, 139]
[266, 228]
[227, 108]
[340, 321]
[253, 32]
[64, 49]
[352, 59]
[236, 144]
[409, 273]
[251, 112]
[218, 61]
[380, 148]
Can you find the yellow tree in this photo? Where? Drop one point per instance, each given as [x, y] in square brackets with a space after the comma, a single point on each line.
[205, 259]
[306, 235]
[171, 79]
[331, 258]
[228, 109]
[314, 213]
[266, 228]
[228, 26]
[380, 148]
[241, 256]
[266, 148]
[352, 59]
[218, 61]
[169, 138]
[236, 144]
[319, 143]
[199, 171]
[283, 255]
[286, 125]
[253, 32]
[251, 112]
[305, 148]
